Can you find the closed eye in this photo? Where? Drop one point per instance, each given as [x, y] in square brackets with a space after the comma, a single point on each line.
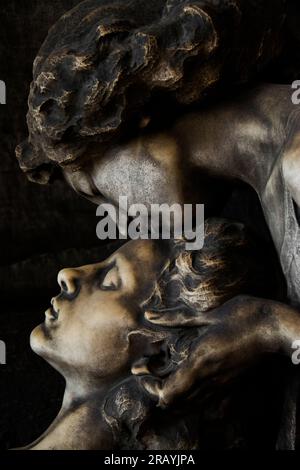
[111, 279]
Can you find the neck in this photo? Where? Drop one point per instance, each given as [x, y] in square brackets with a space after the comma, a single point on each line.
[79, 425]
[242, 139]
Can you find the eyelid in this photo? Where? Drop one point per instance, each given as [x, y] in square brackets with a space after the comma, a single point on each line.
[111, 277]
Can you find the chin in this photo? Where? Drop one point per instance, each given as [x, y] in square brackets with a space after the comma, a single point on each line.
[39, 340]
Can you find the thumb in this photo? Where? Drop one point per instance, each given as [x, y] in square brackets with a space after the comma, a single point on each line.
[154, 387]
[178, 318]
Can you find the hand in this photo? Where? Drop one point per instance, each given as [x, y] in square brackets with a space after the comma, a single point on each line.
[231, 337]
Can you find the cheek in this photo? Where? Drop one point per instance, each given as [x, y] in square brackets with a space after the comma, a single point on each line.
[100, 348]
[142, 181]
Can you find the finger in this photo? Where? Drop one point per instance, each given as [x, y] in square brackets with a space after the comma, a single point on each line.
[178, 318]
[203, 362]
[155, 388]
[166, 391]
[209, 363]
[184, 383]
[179, 383]
[152, 385]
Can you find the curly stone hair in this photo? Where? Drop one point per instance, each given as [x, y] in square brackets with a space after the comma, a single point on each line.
[197, 281]
[106, 62]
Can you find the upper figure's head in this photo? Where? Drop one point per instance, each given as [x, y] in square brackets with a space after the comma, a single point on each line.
[107, 65]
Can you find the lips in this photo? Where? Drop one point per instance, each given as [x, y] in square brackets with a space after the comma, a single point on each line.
[51, 314]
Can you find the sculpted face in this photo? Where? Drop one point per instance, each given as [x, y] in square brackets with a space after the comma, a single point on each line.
[153, 168]
[86, 329]
[146, 169]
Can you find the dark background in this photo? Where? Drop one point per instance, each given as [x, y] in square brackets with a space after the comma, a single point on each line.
[43, 229]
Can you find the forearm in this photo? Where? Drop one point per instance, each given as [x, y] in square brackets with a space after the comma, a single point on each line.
[270, 325]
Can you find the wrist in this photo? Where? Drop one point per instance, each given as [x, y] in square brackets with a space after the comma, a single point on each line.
[287, 328]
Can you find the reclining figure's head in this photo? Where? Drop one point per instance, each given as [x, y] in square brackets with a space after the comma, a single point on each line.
[96, 331]
[87, 329]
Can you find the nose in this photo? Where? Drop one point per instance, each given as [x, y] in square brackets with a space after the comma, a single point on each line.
[68, 280]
